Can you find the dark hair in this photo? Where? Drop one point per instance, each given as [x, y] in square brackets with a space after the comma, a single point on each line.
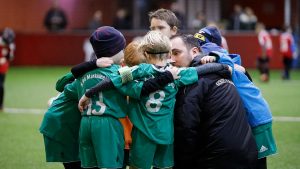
[165, 15]
[8, 35]
[189, 40]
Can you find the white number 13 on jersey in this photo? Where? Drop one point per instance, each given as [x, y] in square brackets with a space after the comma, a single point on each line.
[99, 103]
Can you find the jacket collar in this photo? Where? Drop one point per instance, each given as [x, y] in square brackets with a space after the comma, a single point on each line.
[196, 61]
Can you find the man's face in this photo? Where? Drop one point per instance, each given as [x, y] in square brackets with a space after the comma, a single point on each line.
[181, 56]
[163, 27]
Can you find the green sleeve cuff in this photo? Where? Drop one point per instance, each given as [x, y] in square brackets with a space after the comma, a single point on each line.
[126, 74]
[63, 81]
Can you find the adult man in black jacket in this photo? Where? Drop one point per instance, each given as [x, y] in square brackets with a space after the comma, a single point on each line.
[211, 129]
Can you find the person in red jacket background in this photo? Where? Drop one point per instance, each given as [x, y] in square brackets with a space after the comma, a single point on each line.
[7, 48]
[265, 52]
[287, 50]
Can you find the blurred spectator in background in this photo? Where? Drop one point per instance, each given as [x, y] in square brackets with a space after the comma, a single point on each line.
[96, 21]
[55, 19]
[122, 20]
[287, 50]
[265, 52]
[7, 47]
[199, 21]
[235, 22]
[176, 9]
[88, 50]
[248, 19]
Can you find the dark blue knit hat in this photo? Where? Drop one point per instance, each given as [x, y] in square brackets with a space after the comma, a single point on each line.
[209, 34]
[107, 41]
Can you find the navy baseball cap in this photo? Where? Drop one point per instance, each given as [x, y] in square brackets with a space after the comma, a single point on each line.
[209, 34]
[107, 41]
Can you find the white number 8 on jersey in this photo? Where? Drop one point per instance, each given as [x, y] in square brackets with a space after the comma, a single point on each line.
[157, 102]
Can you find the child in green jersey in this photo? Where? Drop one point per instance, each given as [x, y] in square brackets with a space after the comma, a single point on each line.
[60, 127]
[101, 137]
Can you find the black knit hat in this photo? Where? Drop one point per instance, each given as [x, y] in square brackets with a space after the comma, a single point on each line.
[107, 41]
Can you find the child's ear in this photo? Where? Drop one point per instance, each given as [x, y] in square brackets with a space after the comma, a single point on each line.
[122, 62]
[146, 54]
[169, 55]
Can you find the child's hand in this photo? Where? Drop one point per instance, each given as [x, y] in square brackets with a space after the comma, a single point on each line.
[104, 62]
[83, 103]
[174, 71]
[239, 68]
[208, 59]
[230, 69]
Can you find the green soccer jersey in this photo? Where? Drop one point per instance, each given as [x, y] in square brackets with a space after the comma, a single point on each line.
[153, 114]
[62, 120]
[108, 102]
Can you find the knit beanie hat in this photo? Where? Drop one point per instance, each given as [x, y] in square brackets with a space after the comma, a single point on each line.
[107, 41]
[209, 34]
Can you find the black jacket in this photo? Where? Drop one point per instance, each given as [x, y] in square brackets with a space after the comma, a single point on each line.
[211, 129]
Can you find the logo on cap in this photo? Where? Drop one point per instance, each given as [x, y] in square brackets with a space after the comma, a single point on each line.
[199, 36]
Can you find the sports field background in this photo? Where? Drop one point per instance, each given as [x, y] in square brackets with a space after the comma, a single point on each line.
[27, 90]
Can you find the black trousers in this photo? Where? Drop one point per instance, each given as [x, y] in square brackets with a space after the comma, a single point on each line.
[126, 158]
[263, 65]
[73, 165]
[261, 163]
[287, 62]
[2, 79]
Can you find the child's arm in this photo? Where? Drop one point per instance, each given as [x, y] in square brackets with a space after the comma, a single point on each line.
[157, 83]
[105, 84]
[82, 68]
[213, 68]
[85, 67]
[84, 101]
[63, 81]
[191, 75]
[149, 86]
[161, 80]
[209, 59]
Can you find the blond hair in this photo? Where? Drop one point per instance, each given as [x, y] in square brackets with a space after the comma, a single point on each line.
[156, 44]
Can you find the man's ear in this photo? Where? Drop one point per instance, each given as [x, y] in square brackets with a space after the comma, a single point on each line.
[174, 30]
[195, 51]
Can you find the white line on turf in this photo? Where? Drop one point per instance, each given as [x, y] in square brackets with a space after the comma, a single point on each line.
[42, 111]
[286, 118]
[24, 110]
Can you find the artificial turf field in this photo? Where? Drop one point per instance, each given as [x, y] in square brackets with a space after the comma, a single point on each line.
[27, 90]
